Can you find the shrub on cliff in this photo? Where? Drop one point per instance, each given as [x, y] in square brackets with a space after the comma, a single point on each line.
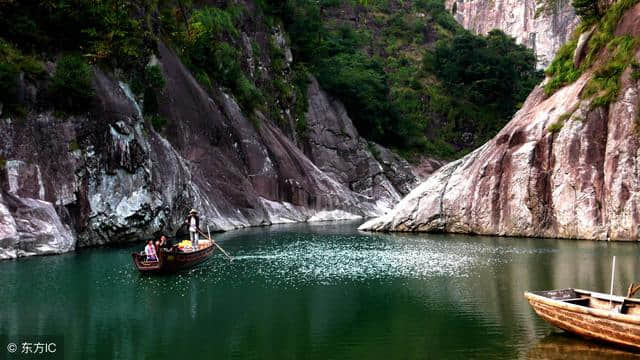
[111, 32]
[12, 64]
[149, 84]
[586, 9]
[361, 84]
[71, 85]
[209, 54]
[603, 86]
[8, 83]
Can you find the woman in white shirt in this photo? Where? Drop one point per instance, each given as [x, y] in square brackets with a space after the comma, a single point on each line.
[150, 251]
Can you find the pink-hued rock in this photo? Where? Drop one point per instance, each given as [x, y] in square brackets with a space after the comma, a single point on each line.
[579, 182]
[544, 33]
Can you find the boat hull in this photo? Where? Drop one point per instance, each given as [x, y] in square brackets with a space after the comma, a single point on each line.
[594, 323]
[172, 261]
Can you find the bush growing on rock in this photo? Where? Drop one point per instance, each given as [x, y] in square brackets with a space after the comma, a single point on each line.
[12, 64]
[604, 85]
[150, 84]
[8, 82]
[362, 85]
[209, 54]
[158, 121]
[71, 84]
[586, 9]
[106, 30]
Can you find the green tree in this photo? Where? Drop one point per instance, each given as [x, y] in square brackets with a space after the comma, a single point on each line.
[586, 9]
[8, 83]
[361, 83]
[71, 84]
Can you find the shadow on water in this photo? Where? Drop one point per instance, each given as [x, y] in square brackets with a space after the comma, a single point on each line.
[313, 291]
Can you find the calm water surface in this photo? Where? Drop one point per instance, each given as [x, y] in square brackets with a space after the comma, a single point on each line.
[315, 292]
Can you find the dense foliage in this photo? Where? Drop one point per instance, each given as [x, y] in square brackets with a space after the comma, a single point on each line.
[208, 51]
[105, 30]
[408, 74]
[493, 73]
[12, 63]
[586, 9]
[75, 34]
[71, 83]
[616, 52]
[402, 89]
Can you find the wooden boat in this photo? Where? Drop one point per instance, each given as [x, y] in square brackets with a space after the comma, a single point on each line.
[174, 260]
[613, 319]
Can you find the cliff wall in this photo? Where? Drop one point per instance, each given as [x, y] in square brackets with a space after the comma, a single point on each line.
[108, 176]
[565, 166]
[544, 33]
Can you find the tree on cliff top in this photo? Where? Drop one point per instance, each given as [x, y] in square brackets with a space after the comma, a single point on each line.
[586, 9]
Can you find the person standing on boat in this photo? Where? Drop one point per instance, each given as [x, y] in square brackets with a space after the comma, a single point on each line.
[194, 224]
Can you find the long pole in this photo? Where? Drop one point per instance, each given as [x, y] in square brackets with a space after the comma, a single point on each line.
[613, 274]
[216, 244]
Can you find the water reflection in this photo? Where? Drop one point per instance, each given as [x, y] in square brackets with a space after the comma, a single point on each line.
[560, 346]
[311, 291]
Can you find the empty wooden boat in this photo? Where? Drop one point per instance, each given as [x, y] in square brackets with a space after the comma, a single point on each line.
[173, 260]
[612, 319]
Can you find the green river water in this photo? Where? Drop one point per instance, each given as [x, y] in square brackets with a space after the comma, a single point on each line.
[321, 291]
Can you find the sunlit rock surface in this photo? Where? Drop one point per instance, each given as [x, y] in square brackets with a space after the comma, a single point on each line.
[578, 182]
[31, 226]
[544, 33]
[108, 176]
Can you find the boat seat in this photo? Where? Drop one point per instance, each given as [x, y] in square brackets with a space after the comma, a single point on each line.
[577, 301]
[560, 294]
[607, 297]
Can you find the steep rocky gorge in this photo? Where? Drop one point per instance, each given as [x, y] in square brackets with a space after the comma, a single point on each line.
[563, 167]
[544, 32]
[108, 176]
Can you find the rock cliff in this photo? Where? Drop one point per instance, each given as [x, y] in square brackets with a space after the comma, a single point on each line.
[563, 167]
[544, 33]
[108, 176]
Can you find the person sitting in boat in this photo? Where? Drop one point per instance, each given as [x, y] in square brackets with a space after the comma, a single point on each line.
[163, 243]
[194, 225]
[150, 251]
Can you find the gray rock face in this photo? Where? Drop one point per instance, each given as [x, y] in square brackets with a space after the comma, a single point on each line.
[334, 145]
[544, 34]
[578, 182]
[108, 176]
[28, 224]
[581, 47]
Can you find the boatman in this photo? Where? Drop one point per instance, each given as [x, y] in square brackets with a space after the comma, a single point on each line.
[194, 225]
